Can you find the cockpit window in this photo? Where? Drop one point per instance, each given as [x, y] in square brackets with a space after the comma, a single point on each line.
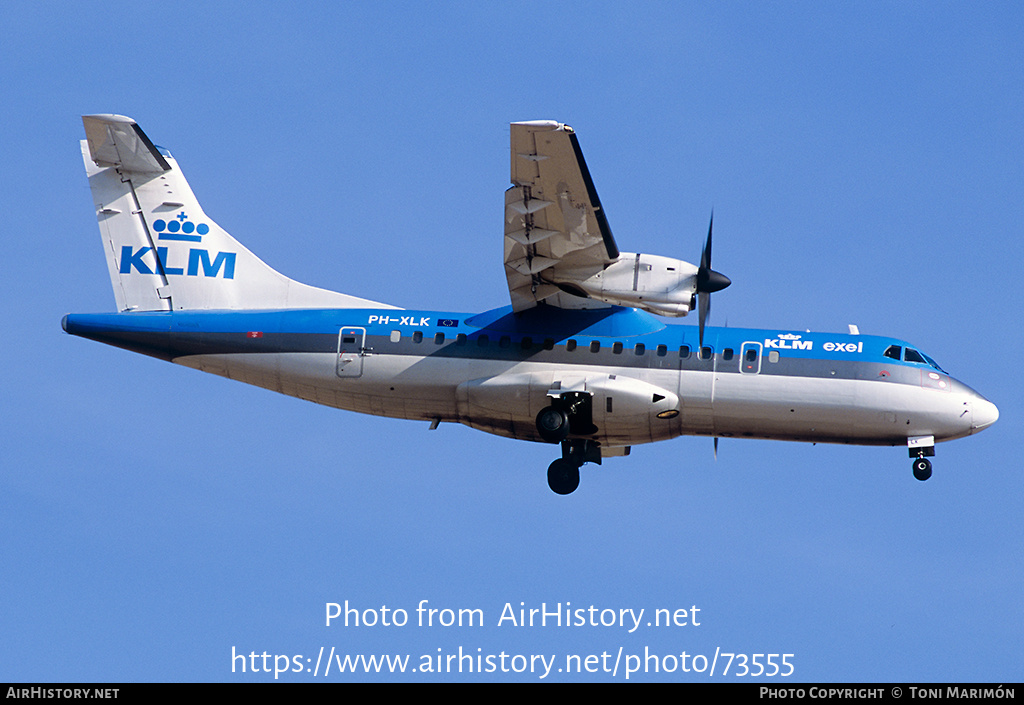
[911, 355]
[932, 363]
[897, 352]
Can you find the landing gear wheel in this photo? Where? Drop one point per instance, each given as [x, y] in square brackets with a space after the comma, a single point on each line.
[553, 425]
[563, 476]
[922, 469]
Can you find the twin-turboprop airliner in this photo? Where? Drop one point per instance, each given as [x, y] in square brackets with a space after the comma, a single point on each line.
[581, 359]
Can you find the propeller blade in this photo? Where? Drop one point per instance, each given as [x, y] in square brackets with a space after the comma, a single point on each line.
[708, 281]
[704, 308]
[705, 255]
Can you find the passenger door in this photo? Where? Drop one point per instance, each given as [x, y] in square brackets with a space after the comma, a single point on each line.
[351, 350]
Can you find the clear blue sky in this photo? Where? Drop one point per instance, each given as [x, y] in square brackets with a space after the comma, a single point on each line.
[865, 165]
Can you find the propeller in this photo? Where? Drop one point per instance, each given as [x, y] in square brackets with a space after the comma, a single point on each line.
[708, 281]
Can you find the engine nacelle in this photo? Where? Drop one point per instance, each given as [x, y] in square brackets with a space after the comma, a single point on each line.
[661, 285]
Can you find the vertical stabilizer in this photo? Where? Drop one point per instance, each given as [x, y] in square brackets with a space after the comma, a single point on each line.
[163, 251]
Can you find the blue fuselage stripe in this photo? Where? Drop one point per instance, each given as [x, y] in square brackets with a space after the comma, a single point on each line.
[607, 337]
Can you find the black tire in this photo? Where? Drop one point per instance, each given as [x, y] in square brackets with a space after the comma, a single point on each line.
[563, 476]
[552, 424]
[922, 469]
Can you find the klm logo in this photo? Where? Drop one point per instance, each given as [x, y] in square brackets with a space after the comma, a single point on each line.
[788, 341]
[180, 229]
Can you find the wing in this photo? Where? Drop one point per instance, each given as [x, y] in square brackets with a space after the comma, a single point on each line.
[555, 228]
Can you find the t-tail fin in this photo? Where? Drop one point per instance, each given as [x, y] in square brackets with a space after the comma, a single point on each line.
[163, 252]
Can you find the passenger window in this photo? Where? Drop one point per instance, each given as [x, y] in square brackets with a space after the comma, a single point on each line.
[527, 343]
[727, 354]
[751, 355]
[893, 351]
[684, 351]
[617, 348]
[504, 341]
[570, 345]
[595, 346]
[482, 341]
[396, 336]
[460, 339]
[438, 338]
[911, 355]
[662, 350]
[639, 349]
[706, 353]
[549, 343]
[417, 337]
[773, 356]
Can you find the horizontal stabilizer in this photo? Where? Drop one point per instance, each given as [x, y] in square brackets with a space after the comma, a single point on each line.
[116, 140]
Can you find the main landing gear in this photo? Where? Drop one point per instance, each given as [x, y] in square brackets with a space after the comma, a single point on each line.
[563, 476]
[553, 424]
[569, 413]
[564, 473]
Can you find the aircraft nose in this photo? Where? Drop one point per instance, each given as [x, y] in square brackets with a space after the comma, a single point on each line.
[985, 414]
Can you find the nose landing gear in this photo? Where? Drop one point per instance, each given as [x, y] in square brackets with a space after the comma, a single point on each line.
[922, 448]
[922, 469]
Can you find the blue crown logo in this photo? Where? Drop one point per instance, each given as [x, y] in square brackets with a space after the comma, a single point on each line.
[180, 229]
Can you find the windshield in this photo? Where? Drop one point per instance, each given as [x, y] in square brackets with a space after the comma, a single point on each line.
[898, 352]
[934, 364]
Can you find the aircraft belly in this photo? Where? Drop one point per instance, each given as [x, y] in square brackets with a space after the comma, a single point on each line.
[390, 386]
[504, 397]
[505, 400]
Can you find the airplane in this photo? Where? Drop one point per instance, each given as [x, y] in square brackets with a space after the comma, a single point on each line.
[581, 359]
